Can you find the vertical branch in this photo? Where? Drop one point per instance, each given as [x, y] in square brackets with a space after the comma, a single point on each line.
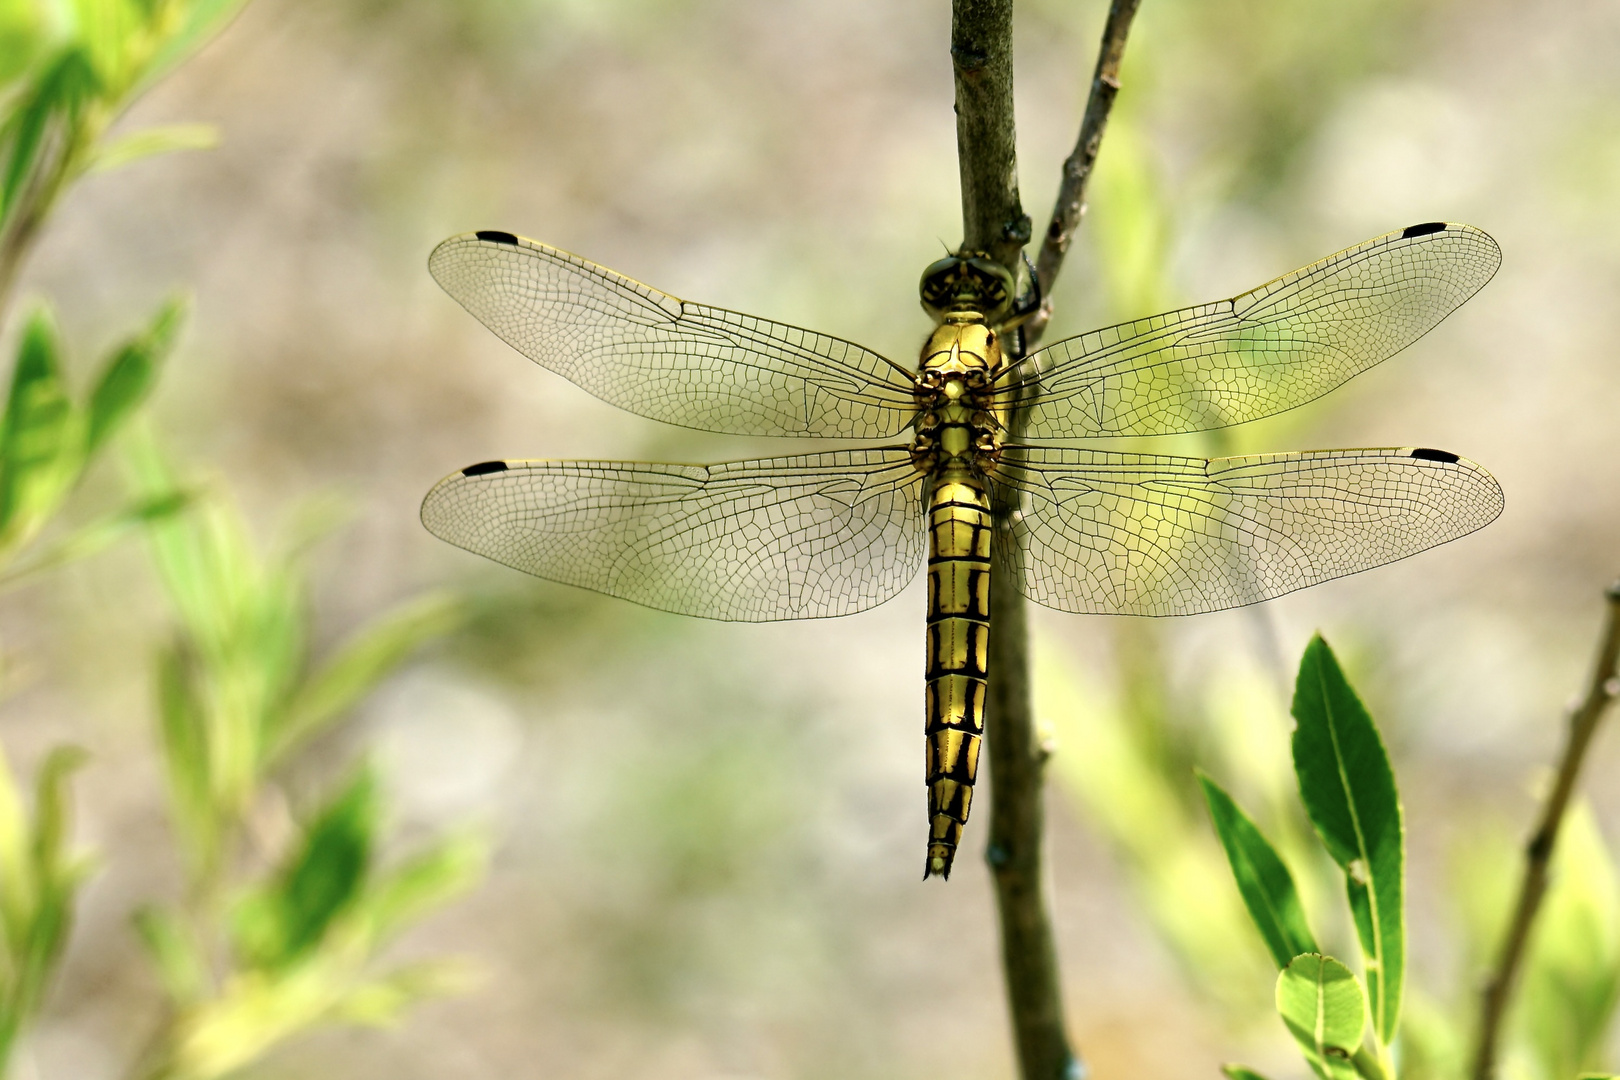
[994, 222]
[1601, 690]
[993, 218]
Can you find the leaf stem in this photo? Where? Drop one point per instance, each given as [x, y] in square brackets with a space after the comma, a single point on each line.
[1584, 719]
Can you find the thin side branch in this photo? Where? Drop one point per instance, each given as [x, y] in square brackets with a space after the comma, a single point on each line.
[1071, 200]
[1584, 719]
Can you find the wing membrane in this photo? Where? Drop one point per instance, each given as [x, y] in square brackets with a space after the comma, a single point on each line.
[747, 541]
[689, 364]
[1140, 534]
[1270, 349]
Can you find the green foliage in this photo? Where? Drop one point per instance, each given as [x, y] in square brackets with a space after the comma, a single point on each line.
[39, 879]
[48, 440]
[237, 692]
[1349, 792]
[1262, 878]
[1323, 1007]
[1572, 970]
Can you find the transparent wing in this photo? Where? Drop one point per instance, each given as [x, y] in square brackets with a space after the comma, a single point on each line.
[689, 364]
[1278, 346]
[1141, 534]
[747, 541]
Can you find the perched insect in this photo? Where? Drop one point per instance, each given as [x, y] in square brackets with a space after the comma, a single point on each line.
[1078, 530]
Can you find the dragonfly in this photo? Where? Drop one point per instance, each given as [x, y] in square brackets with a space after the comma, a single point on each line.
[959, 472]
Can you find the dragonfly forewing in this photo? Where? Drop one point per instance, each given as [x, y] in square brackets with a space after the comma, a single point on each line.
[1139, 534]
[646, 351]
[747, 541]
[1275, 347]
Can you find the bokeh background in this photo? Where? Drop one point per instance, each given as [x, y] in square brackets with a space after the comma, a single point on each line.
[708, 836]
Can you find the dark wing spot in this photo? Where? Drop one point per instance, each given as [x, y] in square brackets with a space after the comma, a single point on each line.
[500, 466]
[1411, 230]
[495, 236]
[1424, 454]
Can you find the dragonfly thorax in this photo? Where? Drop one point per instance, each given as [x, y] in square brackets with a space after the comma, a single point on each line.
[955, 421]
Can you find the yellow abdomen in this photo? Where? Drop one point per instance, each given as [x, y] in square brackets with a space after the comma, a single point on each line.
[958, 654]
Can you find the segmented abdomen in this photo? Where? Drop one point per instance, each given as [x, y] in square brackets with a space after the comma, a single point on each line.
[958, 653]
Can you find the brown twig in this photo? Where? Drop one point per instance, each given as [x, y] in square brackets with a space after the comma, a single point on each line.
[993, 221]
[1070, 207]
[1584, 718]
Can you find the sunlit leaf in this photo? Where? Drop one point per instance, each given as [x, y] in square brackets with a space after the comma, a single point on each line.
[184, 728]
[1572, 970]
[1349, 792]
[152, 141]
[379, 1002]
[35, 442]
[18, 888]
[97, 535]
[180, 962]
[130, 373]
[425, 882]
[1322, 1005]
[363, 661]
[1262, 878]
[1240, 1072]
[324, 879]
[59, 94]
[202, 19]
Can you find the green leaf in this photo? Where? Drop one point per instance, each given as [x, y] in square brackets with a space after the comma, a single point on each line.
[1240, 1072]
[149, 142]
[362, 662]
[129, 374]
[1262, 878]
[180, 962]
[1322, 1005]
[202, 20]
[319, 884]
[425, 882]
[1571, 981]
[35, 443]
[1349, 792]
[380, 1001]
[95, 536]
[65, 85]
[184, 727]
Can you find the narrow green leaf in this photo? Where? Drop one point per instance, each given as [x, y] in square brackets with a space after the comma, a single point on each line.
[427, 881]
[1322, 1005]
[1571, 981]
[152, 141]
[1240, 1072]
[322, 881]
[1262, 877]
[363, 661]
[129, 374]
[97, 535]
[58, 874]
[184, 727]
[202, 21]
[18, 888]
[379, 1002]
[35, 437]
[179, 961]
[1349, 792]
[60, 92]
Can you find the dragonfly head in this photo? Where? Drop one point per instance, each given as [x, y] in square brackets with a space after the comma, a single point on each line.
[968, 282]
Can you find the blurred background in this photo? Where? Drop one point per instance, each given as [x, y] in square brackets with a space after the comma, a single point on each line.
[706, 837]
